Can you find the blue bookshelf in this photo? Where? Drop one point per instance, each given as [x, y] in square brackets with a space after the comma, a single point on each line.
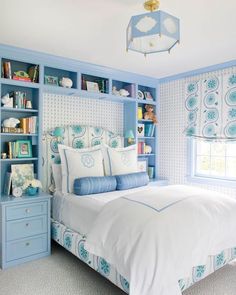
[80, 73]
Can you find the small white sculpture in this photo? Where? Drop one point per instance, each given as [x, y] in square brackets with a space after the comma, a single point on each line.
[66, 82]
[10, 122]
[124, 92]
[7, 101]
[147, 149]
[115, 91]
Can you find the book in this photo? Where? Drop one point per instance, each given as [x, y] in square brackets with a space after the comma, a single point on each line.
[140, 113]
[33, 72]
[7, 70]
[23, 79]
[7, 184]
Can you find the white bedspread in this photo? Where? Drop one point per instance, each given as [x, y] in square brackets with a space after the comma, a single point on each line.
[155, 237]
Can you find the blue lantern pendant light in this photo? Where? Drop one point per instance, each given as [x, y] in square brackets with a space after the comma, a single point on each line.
[155, 31]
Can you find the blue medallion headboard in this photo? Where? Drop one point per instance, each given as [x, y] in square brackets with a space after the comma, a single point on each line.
[77, 136]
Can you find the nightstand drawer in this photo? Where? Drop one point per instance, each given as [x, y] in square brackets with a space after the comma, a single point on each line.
[26, 247]
[27, 210]
[27, 227]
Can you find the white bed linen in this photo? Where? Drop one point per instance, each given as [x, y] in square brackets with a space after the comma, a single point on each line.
[79, 212]
[154, 239]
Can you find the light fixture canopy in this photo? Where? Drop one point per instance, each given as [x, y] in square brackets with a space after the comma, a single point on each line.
[151, 32]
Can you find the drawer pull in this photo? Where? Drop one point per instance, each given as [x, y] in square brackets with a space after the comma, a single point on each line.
[27, 224]
[27, 210]
[27, 244]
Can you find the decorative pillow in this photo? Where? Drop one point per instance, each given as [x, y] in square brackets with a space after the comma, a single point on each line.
[123, 160]
[79, 163]
[132, 180]
[57, 176]
[94, 185]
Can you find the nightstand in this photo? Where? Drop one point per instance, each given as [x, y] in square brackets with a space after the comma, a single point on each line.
[24, 229]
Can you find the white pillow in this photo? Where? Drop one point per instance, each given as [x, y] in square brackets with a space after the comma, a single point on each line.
[57, 176]
[123, 160]
[78, 163]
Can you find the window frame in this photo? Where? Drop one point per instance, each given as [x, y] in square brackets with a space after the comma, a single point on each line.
[198, 178]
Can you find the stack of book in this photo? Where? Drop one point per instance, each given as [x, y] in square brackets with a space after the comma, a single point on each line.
[29, 125]
[12, 150]
[149, 130]
[141, 147]
[23, 79]
[18, 99]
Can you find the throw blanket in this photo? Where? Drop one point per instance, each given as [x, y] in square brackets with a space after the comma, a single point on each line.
[156, 236]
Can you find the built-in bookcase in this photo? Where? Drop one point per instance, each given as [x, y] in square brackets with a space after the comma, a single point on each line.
[89, 81]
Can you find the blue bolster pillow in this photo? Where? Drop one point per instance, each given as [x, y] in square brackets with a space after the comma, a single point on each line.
[94, 185]
[132, 180]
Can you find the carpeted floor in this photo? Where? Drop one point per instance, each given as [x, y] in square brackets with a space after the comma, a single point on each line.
[64, 274]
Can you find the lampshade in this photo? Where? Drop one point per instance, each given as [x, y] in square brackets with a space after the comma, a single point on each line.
[129, 134]
[152, 32]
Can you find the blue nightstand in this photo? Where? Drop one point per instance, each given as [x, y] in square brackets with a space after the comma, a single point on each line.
[24, 229]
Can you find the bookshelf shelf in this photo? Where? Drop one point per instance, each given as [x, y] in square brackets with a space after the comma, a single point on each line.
[18, 160]
[18, 134]
[146, 155]
[18, 110]
[18, 83]
[146, 137]
[146, 101]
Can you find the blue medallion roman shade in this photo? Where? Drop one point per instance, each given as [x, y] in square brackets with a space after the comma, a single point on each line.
[211, 107]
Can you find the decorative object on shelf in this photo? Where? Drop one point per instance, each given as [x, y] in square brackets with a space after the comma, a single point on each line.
[3, 156]
[31, 186]
[66, 82]
[7, 101]
[28, 104]
[129, 135]
[152, 32]
[142, 165]
[140, 130]
[33, 72]
[21, 76]
[151, 172]
[7, 70]
[124, 92]
[92, 86]
[148, 95]
[21, 173]
[149, 114]
[147, 149]
[24, 149]
[140, 94]
[51, 80]
[115, 91]
[10, 122]
[140, 113]
[17, 192]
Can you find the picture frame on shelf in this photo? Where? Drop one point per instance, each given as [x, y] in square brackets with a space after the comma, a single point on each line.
[92, 86]
[148, 95]
[51, 80]
[24, 149]
[140, 95]
[143, 165]
[21, 173]
[140, 130]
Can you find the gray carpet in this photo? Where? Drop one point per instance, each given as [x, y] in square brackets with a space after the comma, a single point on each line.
[64, 274]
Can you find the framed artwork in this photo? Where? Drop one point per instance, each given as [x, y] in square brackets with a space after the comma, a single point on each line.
[140, 130]
[24, 149]
[20, 173]
[148, 95]
[51, 80]
[143, 165]
[92, 86]
[140, 94]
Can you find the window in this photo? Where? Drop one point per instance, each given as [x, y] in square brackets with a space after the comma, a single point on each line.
[213, 160]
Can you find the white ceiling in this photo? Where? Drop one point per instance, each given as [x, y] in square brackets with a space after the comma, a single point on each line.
[94, 31]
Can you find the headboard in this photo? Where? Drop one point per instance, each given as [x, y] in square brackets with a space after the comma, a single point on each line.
[76, 136]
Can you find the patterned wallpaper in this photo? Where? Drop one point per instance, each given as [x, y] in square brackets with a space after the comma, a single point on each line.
[172, 144]
[59, 110]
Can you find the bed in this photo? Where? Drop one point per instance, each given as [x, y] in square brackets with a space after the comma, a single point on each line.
[72, 230]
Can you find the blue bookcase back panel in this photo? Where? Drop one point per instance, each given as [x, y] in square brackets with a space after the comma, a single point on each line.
[59, 74]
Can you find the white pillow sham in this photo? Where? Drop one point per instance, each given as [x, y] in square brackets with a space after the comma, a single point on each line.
[57, 176]
[123, 160]
[78, 163]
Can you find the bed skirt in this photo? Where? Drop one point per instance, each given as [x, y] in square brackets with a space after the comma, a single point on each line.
[74, 242]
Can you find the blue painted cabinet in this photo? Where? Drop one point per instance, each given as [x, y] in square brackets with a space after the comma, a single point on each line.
[24, 229]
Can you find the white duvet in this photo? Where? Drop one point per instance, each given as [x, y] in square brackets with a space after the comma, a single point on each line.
[155, 237]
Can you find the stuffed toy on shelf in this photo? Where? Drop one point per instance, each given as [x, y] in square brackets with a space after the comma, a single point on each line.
[149, 114]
